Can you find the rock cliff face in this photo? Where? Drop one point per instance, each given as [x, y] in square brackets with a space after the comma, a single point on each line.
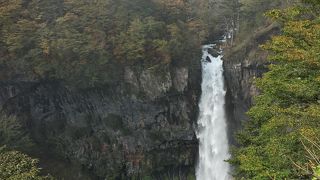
[141, 127]
[243, 63]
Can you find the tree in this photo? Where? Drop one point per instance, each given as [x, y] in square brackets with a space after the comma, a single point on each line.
[288, 108]
[143, 42]
[17, 166]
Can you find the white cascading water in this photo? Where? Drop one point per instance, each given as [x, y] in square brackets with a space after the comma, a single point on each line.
[212, 133]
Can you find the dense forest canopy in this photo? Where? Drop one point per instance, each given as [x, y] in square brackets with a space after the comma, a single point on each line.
[82, 42]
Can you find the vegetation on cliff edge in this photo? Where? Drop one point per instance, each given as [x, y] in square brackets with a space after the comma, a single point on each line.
[285, 121]
[86, 43]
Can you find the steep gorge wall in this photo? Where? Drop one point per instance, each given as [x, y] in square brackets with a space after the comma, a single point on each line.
[243, 63]
[140, 127]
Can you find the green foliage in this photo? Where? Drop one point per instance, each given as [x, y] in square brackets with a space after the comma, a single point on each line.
[86, 43]
[288, 108]
[316, 173]
[17, 166]
[12, 133]
[143, 41]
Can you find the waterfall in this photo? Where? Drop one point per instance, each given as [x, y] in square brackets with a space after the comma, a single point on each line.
[212, 133]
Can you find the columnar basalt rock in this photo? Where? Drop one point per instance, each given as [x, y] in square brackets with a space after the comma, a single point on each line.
[243, 63]
[143, 126]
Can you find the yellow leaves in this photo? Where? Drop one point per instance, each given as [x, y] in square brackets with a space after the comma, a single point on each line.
[300, 37]
[308, 132]
[284, 15]
[303, 30]
[279, 44]
[313, 112]
[274, 14]
[300, 42]
[283, 41]
[15, 165]
[297, 27]
[306, 56]
[297, 55]
[315, 29]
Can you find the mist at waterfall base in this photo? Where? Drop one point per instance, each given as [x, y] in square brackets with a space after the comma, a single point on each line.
[212, 132]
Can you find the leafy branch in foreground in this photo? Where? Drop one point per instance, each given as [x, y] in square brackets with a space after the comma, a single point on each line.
[18, 166]
[312, 167]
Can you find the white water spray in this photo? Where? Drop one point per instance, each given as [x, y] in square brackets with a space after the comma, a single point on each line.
[212, 133]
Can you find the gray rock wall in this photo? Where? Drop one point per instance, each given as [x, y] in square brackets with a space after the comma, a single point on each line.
[141, 127]
[243, 63]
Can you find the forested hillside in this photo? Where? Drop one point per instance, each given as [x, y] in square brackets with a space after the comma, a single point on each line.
[109, 89]
[77, 41]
